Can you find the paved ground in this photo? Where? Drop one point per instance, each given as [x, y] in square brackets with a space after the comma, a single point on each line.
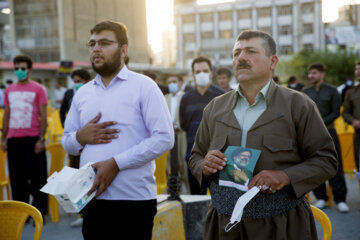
[345, 226]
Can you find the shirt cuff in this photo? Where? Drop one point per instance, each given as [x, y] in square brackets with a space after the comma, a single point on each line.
[120, 160]
[74, 142]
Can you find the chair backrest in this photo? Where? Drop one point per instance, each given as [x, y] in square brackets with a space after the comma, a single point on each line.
[13, 215]
[324, 221]
[160, 173]
[57, 154]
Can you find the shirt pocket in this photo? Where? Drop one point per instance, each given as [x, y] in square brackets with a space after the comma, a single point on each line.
[277, 144]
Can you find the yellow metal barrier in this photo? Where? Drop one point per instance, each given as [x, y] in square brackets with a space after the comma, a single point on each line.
[168, 222]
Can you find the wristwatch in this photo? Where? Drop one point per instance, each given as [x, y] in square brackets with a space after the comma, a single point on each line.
[42, 139]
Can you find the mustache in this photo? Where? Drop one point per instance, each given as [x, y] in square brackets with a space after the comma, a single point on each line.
[242, 64]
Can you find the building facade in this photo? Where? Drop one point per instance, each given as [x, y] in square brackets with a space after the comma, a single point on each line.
[53, 30]
[211, 30]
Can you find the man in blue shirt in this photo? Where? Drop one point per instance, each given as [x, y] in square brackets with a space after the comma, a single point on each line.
[192, 105]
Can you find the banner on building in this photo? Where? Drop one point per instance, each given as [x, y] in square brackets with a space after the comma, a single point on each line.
[65, 68]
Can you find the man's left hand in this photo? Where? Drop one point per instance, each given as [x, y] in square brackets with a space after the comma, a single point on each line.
[39, 147]
[274, 180]
[106, 172]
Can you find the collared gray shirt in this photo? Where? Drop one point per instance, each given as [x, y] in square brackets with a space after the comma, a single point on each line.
[247, 115]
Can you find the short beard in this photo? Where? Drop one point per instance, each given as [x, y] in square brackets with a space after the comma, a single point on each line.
[109, 68]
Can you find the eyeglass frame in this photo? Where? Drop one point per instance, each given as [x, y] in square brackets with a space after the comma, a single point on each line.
[102, 43]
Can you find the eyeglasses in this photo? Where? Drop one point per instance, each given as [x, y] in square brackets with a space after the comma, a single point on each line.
[103, 43]
[22, 68]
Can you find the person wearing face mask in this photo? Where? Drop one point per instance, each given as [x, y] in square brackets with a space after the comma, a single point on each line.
[293, 83]
[80, 77]
[192, 105]
[173, 102]
[24, 127]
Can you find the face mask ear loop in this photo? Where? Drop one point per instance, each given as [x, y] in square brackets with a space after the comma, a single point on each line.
[232, 225]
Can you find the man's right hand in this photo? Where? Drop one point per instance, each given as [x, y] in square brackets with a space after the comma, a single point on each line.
[4, 145]
[96, 133]
[214, 161]
[356, 124]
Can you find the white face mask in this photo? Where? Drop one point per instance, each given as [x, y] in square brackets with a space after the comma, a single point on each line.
[202, 79]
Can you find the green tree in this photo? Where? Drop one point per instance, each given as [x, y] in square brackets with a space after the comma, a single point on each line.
[339, 65]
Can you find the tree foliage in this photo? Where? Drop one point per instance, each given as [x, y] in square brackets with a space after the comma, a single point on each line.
[339, 65]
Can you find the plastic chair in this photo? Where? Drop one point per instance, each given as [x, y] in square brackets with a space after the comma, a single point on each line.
[13, 215]
[160, 173]
[347, 152]
[57, 154]
[324, 221]
[4, 181]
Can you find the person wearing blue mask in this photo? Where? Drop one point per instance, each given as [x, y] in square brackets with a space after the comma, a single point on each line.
[173, 99]
[24, 128]
[80, 77]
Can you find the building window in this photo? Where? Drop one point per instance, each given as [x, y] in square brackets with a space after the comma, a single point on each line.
[264, 12]
[308, 28]
[307, 8]
[285, 10]
[285, 50]
[207, 35]
[285, 30]
[309, 47]
[226, 34]
[225, 16]
[244, 14]
[206, 17]
[189, 37]
[268, 30]
[188, 19]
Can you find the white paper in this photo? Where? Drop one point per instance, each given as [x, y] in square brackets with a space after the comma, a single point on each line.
[70, 187]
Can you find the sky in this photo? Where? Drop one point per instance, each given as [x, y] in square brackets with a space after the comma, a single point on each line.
[160, 16]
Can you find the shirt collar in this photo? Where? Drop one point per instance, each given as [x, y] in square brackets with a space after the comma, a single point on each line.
[122, 75]
[263, 92]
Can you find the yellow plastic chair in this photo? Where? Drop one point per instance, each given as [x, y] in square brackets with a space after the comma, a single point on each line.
[324, 221]
[57, 154]
[4, 181]
[13, 215]
[160, 173]
[347, 152]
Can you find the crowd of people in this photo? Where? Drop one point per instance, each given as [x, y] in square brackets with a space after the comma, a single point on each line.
[121, 121]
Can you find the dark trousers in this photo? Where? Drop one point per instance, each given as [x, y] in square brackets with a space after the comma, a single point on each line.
[119, 219]
[195, 188]
[28, 172]
[338, 181]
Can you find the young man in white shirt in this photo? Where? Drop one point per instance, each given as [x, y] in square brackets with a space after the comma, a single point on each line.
[119, 121]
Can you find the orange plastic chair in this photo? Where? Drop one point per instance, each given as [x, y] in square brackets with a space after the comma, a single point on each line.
[13, 215]
[160, 173]
[57, 154]
[4, 181]
[324, 221]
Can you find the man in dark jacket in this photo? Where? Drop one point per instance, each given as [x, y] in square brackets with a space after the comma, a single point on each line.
[328, 102]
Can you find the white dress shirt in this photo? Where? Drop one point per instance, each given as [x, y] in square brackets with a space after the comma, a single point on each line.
[136, 103]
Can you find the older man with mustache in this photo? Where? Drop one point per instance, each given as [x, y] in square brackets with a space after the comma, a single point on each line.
[288, 130]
